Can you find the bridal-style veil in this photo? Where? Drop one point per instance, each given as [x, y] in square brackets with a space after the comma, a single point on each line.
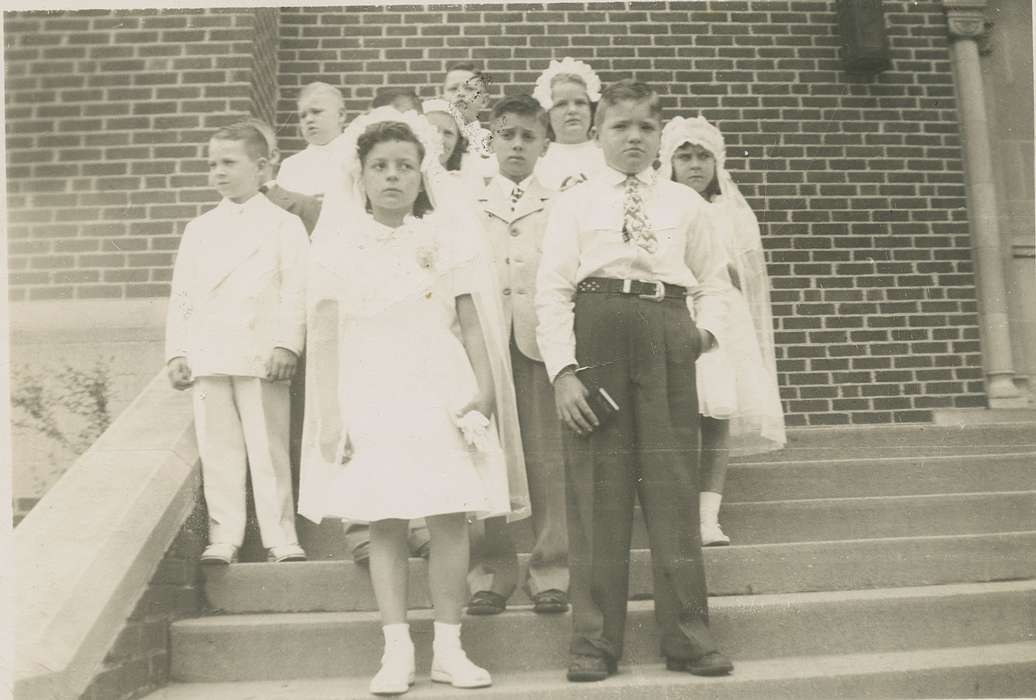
[324, 441]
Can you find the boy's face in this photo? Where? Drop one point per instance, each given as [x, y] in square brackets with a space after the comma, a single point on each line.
[232, 172]
[466, 92]
[320, 118]
[518, 142]
[629, 135]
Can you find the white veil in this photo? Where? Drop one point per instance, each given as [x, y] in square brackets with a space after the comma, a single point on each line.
[764, 430]
[344, 205]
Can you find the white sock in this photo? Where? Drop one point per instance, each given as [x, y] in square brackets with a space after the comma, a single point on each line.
[709, 506]
[397, 635]
[446, 636]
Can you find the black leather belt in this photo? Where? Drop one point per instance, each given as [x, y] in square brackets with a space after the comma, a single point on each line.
[656, 291]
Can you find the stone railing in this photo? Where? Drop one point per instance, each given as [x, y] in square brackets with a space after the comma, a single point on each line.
[85, 555]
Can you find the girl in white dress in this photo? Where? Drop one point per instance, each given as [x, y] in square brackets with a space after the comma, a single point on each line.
[568, 90]
[410, 411]
[737, 384]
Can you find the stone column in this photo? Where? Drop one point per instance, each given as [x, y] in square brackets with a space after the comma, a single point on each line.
[966, 24]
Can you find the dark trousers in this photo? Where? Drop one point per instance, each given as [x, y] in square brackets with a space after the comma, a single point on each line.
[642, 352]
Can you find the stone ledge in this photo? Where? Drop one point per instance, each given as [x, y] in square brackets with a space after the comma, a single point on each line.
[92, 544]
[81, 319]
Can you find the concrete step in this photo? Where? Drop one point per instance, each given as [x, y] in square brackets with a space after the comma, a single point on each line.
[904, 440]
[322, 586]
[995, 670]
[809, 520]
[907, 475]
[320, 645]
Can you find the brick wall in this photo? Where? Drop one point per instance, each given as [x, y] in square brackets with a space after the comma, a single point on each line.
[138, 661]
[858, 182]
[107, 118]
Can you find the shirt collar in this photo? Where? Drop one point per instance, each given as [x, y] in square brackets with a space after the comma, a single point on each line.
[507, 185]
[615, 177]
[235, 208]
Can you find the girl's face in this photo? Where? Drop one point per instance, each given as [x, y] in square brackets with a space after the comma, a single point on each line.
[694, 166]
[321, 118]
[570, 115]
[447, 126]
[392, 178]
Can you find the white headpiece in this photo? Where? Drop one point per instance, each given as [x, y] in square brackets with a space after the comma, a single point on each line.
[566, 66]
[697, 131]
[437, 104]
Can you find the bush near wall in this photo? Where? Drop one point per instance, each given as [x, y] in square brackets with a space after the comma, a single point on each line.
[857, 180]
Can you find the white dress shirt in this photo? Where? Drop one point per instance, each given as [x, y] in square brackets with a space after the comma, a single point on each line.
[310, 170]
[584, 239]
[566, 164]
[507, 185]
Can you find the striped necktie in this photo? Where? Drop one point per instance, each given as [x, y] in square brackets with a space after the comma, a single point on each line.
[516, 194]
[635, 225]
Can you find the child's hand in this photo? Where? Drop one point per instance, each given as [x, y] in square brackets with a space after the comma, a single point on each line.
[570, 399]
[481, 403]
[281, 365]
[179, 373]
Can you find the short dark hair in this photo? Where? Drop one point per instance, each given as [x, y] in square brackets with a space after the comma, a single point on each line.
[382, 132]
[256, 144]
[388, 96]
[522, 105]
[624, 90]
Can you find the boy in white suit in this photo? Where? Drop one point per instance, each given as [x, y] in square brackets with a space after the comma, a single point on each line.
[514, 216]
[235, 330]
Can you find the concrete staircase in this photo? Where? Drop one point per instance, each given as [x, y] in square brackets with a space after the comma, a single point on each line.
[892, 562]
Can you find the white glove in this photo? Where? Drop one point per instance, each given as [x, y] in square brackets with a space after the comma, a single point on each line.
[475, 428]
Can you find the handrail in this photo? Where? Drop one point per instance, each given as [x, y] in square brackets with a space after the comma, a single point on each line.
[88, 549]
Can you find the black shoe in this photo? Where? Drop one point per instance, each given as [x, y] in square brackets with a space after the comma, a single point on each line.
[711, 664]
[486, 603]
[588, 669]
[550, 601]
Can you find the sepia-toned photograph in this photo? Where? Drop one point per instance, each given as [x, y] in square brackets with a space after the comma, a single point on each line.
[609, 349]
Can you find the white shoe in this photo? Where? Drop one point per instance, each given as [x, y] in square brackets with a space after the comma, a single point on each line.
[454, 667]
[284, 553]
[712, 535]
[219, 553]
[396, 674]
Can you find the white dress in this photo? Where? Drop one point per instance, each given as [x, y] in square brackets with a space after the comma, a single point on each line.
[738, 380]
[403, 376]
[564, 165]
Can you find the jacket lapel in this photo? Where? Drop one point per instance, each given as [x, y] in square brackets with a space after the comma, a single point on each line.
[536, 198]
[236, 239]
[492, 200]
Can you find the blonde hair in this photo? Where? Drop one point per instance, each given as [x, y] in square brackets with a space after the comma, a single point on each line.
[318, 88]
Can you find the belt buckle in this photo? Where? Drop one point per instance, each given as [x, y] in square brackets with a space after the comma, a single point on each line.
[659, 293]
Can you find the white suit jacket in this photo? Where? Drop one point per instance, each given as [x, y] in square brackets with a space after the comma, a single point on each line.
[517, 243]
[238, 289]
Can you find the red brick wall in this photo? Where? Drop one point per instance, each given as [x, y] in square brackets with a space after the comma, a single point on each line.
[107, 117]
[858, 182]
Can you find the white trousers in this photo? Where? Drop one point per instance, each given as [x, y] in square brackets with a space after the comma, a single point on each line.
[242, 423]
